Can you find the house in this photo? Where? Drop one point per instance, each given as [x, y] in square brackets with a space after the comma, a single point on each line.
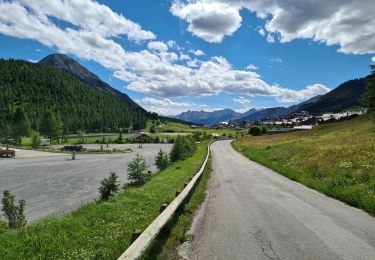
[141, 137]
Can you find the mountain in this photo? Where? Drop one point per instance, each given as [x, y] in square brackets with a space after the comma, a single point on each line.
[208, 118]
[346, 95]
[275, 112]
[65, 63]
[39, 88]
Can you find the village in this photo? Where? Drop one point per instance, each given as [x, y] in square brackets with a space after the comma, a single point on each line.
[294, 122]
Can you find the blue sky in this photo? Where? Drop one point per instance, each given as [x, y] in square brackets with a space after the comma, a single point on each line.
[249, 55]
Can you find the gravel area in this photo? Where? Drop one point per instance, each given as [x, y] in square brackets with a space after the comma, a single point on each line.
[53, 184]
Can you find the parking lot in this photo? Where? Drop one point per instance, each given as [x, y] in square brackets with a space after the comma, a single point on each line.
[53, 184]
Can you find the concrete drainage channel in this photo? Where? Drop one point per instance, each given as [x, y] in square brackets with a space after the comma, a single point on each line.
[139, 246]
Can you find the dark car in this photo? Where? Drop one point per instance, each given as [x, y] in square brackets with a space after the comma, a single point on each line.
[73, 148]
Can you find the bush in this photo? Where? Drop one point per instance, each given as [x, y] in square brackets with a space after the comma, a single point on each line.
[161, 160]
[13, 213]
[183, 147]
[255, 130]
[137, 170]
[35, 139]
[109, 186]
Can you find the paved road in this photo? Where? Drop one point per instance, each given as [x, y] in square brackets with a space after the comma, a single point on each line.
[54, 185]
[254, 213]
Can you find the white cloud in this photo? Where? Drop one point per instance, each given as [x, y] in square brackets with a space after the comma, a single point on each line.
[157, 45]
[89, 38]
[262, 31]
[241, 100]
[209, 78]
[89, 34]
[33, 61]
[242, 110]
[270, 38]
[346, 23]
[198, 52]
[165, 102]
[184, 57]
[166, 106]
[251, 67]
[373, 59]
[211, 21]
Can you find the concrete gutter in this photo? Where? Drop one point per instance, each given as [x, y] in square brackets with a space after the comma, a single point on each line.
[140, 245]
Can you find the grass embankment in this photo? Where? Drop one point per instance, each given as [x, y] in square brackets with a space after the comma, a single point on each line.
[336, 159]
[100, 230]
[174, 233]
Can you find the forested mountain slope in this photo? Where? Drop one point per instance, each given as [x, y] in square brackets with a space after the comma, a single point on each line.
[39, 88]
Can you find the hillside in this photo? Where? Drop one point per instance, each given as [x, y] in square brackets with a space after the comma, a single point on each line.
[346, 95]
[64, 63]
[38, 88]
[336, 159]
[275, 112]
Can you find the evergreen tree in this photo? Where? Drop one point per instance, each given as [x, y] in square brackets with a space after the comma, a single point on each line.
[50, 126]
[137, 170]
[21, 125]
[109, 186]
[161, 160]
[369, 95]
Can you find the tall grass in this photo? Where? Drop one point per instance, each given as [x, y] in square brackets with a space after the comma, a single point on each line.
[336, 159]
[100, 230]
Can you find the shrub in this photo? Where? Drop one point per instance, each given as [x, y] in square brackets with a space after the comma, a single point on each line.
[109, 186]
[183, 147]
[255, 130]
[13, 213]
[161, 160]
[35, 139]
[137, 170]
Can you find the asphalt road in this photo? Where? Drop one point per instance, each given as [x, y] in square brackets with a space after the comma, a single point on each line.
[254, 213]
[54, 184]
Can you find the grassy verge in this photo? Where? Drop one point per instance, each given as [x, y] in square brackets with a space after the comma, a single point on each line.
[100, 230]
[175, 232]
[336, 159]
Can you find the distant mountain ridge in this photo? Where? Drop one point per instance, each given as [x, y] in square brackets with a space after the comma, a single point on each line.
[65, 63]
[346, 95]
[224, 115]
[214, 117]
[275, 112]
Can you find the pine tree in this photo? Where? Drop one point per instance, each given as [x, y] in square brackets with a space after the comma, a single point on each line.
[50, 126]
[161, 160]
[21, 125]
[137, 170]
[109, 186]
[369, 95]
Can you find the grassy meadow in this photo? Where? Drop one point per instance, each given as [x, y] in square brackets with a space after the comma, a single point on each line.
[100, 230]
[336, 159]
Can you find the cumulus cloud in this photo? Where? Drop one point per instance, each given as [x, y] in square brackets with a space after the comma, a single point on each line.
[198, 52]
[211, 21]
[241, 101]
[373, 59]
[166, 106]
[89, 38]
[157, 45]
[346, 23]
[89, 32]
[210, 78]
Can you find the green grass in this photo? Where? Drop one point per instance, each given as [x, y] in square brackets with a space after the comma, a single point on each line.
[336, 159]
[175, 232]
[100, 230]
[182, 128]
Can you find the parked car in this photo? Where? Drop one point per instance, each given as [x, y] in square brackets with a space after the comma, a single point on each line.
[73, 148]
[7, 153]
